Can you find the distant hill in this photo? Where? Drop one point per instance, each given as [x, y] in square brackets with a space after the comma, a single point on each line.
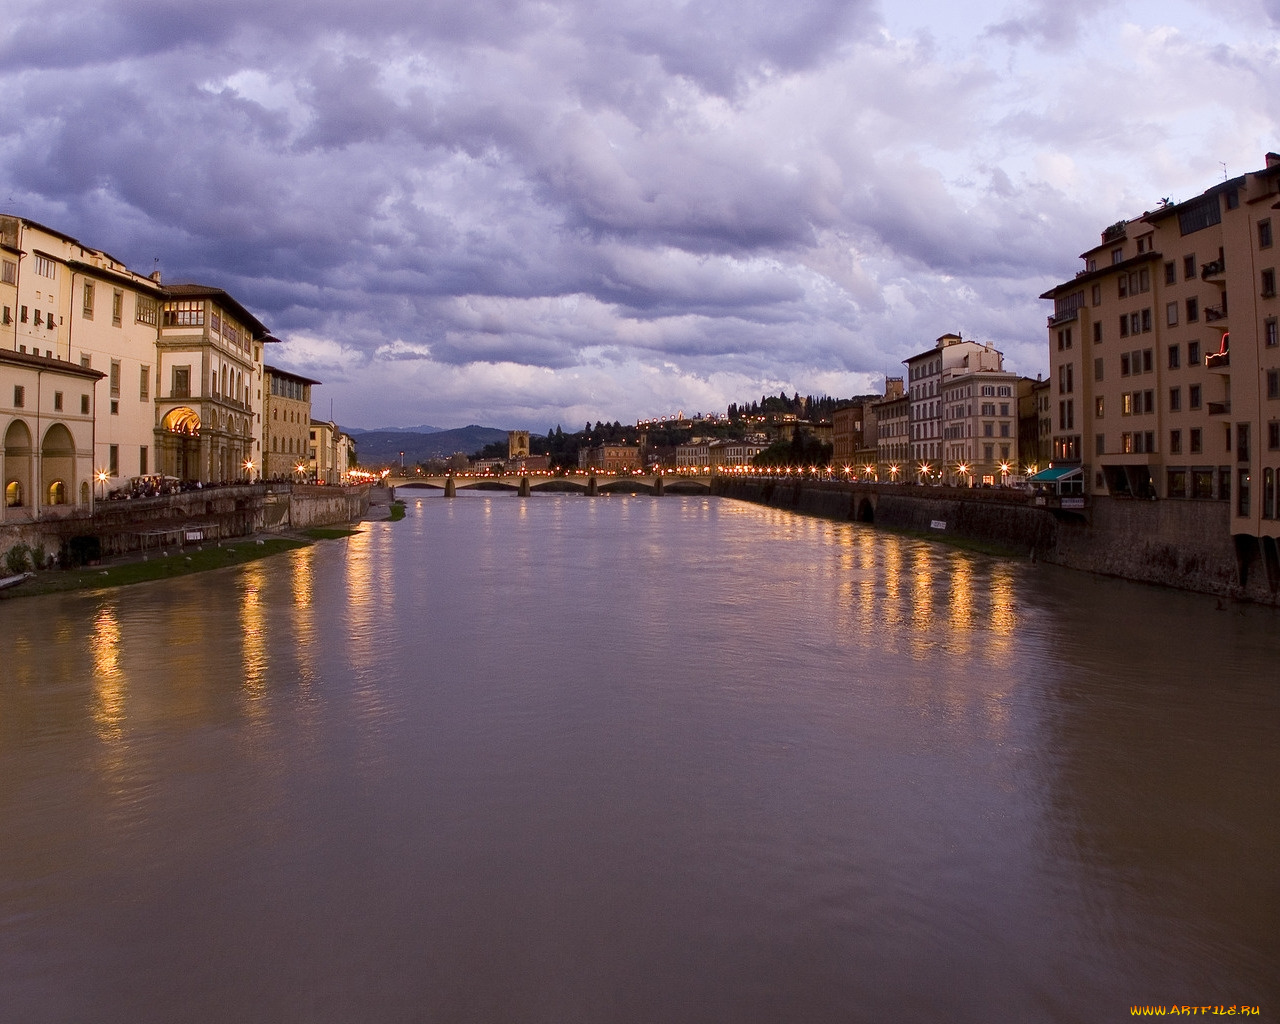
[376, 447]
[423, 429]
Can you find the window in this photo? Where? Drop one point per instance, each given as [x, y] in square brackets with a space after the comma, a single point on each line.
[84, 405]
[1098, 407]
[8, 316]
[1147, 360]
[1193, 353]
[1201, 483]
[8, 271]
[146, 310]
[1193, 310]
[1146, 320]
[1242, 493]
[19, 396]
[38, 318]
[1270, 335]
[1004, 429]
[1197, 444]
[182, 382]
[1126, 443]
[988, 430]
[44, 266]
[1097, 295]
[184, 313]
[1122, 285]
[1170, 273]
[1124, 364]
[1175, 442]
[113, 459]
[57, 401]
[144, 385]
[1264, 234]
[1097, 331]
[1148, 401]
[142, 460]
[1199, 214]
[88, 300]
[115, 407]
[1242, 442]
[1175, 399]
[1268, 493]
[1124, 325]
[1177, 486]
[1193, 396]
[1189, 267]
[1099, 444]
[1269, 283]
[22, 314]
[1117, 256]
[1126, 404]
[117, 307]
[115, 378]
[1174, 356]
[1273, 435]
[1171, 314]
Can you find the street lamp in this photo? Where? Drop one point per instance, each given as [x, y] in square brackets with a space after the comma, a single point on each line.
[1004, 474]
[963, 470]
[248, 468]
[102, 481]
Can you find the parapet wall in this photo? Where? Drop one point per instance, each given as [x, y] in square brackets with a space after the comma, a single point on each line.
[193, 516]
[1183, 544]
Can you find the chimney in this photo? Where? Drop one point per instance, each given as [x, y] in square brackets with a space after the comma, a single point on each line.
[155, 276]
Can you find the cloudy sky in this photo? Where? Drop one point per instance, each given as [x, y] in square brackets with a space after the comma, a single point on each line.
[523, 214]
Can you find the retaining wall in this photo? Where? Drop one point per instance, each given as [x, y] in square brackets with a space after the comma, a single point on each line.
[1183, 544]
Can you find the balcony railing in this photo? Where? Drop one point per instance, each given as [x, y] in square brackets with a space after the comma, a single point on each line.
[1212, 270]
[1220, 408]
[1066, 316]
[1214, 314]
[1217, 361]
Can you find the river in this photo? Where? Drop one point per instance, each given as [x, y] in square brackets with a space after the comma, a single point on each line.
[623, 759]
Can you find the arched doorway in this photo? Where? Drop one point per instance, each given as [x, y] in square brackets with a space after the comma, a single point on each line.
[18, 465]
[57, 464]
[182, 442]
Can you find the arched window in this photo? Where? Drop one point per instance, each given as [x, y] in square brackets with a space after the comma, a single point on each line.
[13, 494]
[84, 492]
[57, 493]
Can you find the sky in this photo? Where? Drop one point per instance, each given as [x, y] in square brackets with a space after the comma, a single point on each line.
[530, 214]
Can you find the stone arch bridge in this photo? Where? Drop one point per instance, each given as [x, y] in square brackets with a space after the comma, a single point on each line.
[544, 483]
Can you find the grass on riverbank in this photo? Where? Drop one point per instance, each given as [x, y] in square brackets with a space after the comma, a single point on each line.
[180, 563]
[397, 511]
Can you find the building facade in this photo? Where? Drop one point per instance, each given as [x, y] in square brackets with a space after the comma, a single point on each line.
[47, 408]
[1165, 355]
[979, 427]
[950, 357]
[209, 360]
[287, 430]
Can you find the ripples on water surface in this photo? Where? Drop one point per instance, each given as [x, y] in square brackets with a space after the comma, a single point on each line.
[635, 759]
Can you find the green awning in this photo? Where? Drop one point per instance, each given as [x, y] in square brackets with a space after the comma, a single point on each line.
[1053, 474]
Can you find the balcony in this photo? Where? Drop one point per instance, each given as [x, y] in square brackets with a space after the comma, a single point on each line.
[1215, 314]
[1220, 408]
[1215, 270]
[1217, 361]
[1065, 317]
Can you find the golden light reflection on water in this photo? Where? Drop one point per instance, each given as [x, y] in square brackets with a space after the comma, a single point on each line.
[108, 677]
[302, 576]
[960, 606]
[253, 634]
[1004, 617]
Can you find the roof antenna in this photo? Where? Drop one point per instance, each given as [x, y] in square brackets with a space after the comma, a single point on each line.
[1224, 169]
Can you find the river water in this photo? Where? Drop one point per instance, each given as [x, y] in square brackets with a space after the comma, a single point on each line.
[621, 759]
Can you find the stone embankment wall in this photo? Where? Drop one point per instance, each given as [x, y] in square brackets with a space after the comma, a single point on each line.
[209, 514]
[1184, 544]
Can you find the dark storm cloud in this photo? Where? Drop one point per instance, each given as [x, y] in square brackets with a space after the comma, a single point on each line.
[651, 198]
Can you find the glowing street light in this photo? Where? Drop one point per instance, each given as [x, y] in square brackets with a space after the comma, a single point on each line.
[102, 477]
[248, 468]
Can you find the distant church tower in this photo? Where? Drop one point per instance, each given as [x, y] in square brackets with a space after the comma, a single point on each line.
[517, 444]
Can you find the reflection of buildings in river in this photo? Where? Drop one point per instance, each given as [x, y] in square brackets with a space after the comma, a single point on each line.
[108, 677]
[302, 579]
[253, 634]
